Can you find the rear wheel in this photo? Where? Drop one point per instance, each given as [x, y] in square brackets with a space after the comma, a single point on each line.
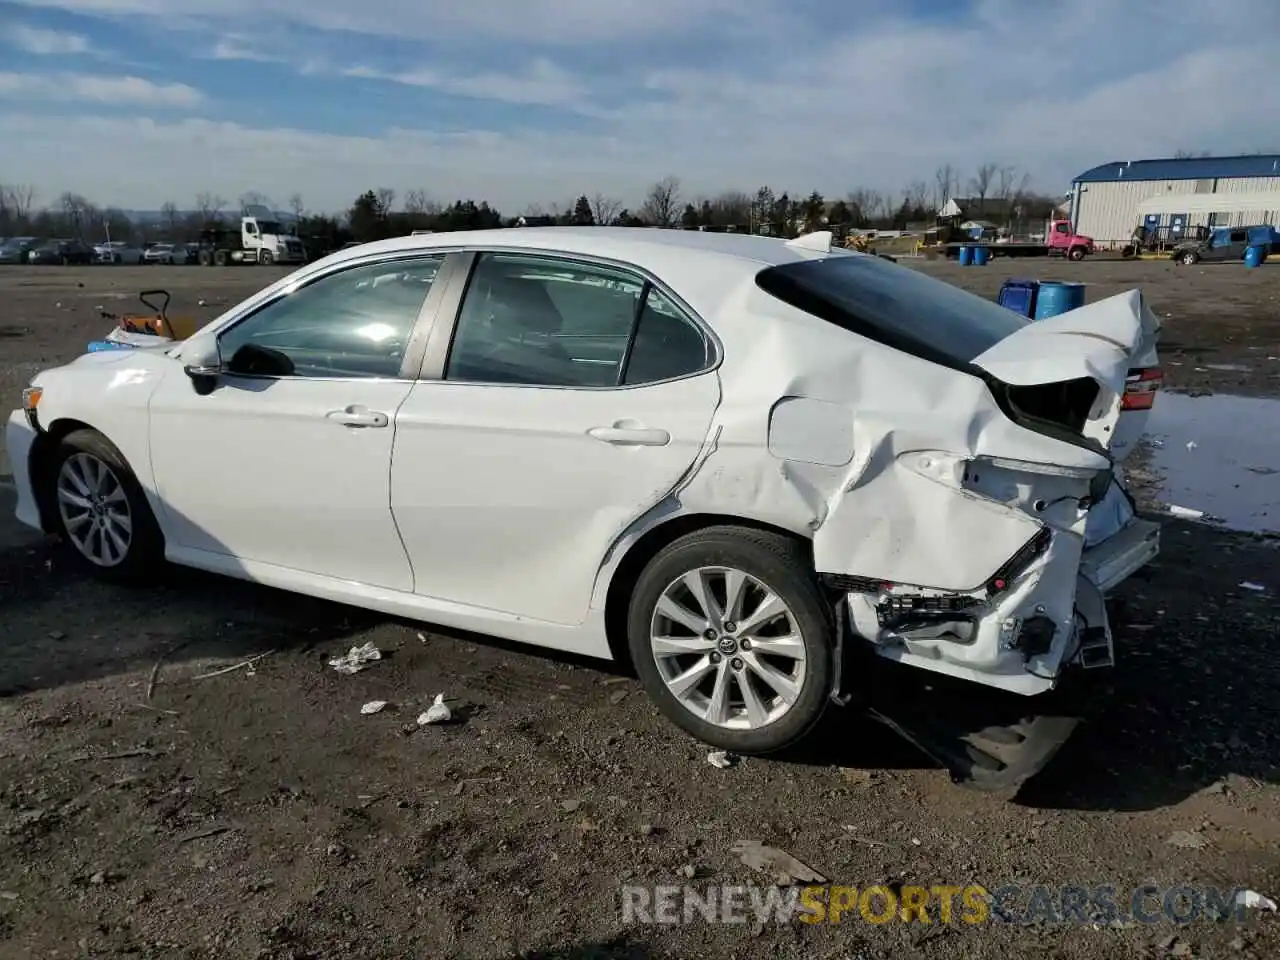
[732, 638]
[221, 258]
[101, 510]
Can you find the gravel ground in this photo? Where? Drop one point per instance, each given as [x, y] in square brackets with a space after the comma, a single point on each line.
[147, 809]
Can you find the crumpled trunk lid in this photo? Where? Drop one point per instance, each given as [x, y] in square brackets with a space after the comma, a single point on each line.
[1071, 371]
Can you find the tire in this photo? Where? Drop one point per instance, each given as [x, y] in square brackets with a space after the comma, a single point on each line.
[763, 560]
[204, 258]
[1075, 253]
[1189, 258]
[266, 258]
[221, 258]
[72, 471]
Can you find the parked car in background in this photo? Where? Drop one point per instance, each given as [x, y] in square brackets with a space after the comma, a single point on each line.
[1224, 244]
[169, 253]
[736, 461]
[16, 249]
[65, 252]
[117, 251]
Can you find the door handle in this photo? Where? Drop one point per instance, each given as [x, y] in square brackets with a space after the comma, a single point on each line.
[630, 436]
[359, 416]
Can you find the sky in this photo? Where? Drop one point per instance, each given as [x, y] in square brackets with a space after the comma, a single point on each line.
[133, 103]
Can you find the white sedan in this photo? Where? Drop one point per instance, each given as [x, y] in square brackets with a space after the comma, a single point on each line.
[728, 459]
[117, 251]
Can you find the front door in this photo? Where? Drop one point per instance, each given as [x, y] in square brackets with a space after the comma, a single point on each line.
[287, 461]
[574, 398]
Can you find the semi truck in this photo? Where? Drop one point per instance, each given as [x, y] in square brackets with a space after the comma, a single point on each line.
[257, 240]
[1060, 241]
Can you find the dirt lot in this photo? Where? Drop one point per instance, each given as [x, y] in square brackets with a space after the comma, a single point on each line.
[147, 809]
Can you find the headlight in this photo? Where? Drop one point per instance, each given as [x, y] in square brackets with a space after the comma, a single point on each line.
[31, 398]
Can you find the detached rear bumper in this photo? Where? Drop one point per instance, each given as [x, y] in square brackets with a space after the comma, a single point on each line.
[20, 436]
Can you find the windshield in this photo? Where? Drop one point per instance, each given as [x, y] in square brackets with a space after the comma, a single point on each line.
[269, 226]
[897, 306]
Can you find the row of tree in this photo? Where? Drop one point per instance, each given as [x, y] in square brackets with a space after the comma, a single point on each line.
[375, 214]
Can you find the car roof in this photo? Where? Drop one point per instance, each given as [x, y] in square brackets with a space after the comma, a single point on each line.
[702, 267]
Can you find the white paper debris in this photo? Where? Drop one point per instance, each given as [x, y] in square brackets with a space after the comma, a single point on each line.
[721, 759]
[1255, 900]
[356, 659]
[373, 706]
[438, 712]
[1185, 513]
[1191, 444]
[1250, 585]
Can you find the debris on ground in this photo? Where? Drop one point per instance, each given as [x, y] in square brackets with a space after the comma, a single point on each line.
[1250, 585]
[777, 863]
[1185, 513]
[438, 712]
[1252, 899]
[721, 759]
[1186, 840]
[373, 706]
[357, 658]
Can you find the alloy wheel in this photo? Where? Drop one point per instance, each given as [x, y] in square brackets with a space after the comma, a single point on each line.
[728, 648]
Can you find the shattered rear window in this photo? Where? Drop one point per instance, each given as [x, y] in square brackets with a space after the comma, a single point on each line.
[894, 305]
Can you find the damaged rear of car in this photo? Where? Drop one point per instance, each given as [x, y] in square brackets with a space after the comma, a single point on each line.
[983, 517]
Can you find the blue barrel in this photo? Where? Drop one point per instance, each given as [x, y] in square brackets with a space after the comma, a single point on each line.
[966, 255]
[1254, 256]
[1055, 297]
[1019, 296]
[981, 256]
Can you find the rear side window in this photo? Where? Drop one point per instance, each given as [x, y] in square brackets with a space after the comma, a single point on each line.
[897, 306]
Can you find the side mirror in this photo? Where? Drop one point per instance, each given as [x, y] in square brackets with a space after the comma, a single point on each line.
[204, 372]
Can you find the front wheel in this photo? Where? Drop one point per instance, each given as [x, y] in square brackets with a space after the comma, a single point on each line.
[266, 258]
[732, 638]
[1189, 258]
[1075, 253]
[101, 510]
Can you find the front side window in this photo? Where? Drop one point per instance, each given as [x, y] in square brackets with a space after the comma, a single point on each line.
[356, 323]
[543, 321]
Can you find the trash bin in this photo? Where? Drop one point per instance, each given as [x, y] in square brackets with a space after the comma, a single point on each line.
[1055, 297]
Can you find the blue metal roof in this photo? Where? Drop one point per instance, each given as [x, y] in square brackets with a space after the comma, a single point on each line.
[1191, 168]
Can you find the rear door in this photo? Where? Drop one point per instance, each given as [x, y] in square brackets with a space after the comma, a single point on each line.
[566, 399]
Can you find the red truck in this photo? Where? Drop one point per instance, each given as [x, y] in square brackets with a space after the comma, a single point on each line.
[1062, 241]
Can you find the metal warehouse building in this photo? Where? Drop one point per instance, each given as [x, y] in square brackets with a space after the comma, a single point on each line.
[1108, 201]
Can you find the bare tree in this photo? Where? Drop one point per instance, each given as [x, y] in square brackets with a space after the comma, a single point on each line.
[982, 181]
[210, 205]
[1189, 154]
[252, 198]
[662, 204]
[867, 205]
[732, 208]
[77, 212]
[169, 216]
[944, 179]
[386, 199]
[418, 203]
[18, 199]
[916, 195]
[296, 206]
[605, 209]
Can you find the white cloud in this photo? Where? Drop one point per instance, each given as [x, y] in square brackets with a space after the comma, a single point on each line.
[560, 22]
[879, 101]
[45, 43]
[542, 83]
[106, 90]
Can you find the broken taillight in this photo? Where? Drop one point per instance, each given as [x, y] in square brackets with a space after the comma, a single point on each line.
[1140, 388]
